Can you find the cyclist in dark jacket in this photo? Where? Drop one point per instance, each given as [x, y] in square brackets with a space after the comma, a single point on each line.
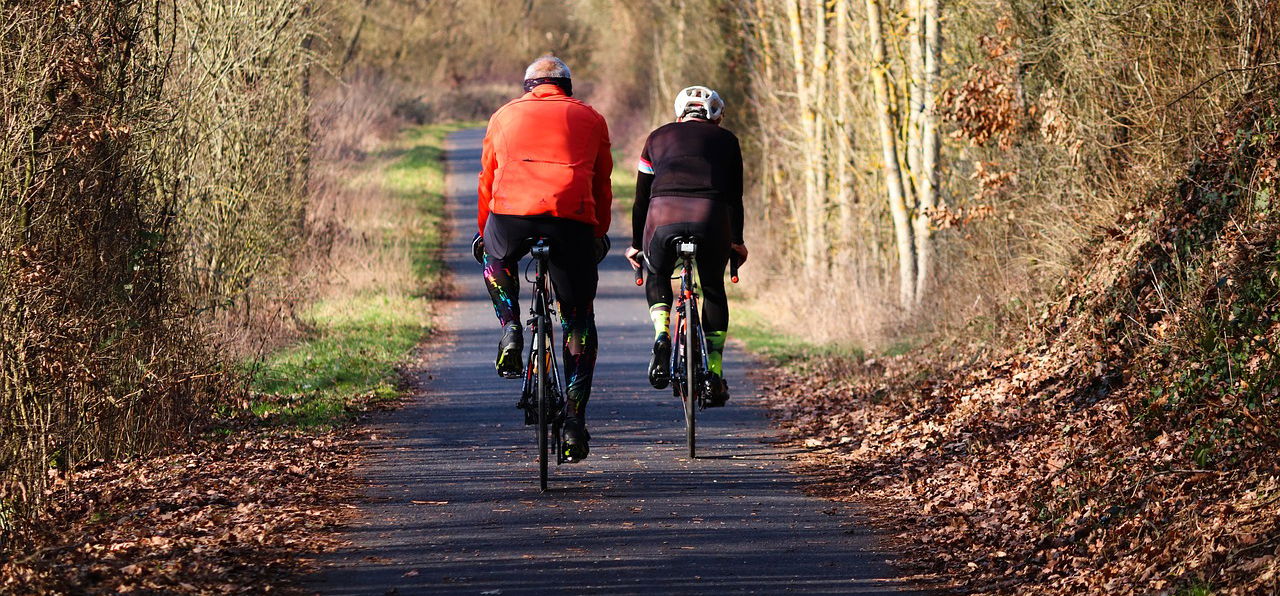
[689, 184]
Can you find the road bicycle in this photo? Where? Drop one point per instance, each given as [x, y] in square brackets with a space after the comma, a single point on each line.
[542, 396]
[689, 371]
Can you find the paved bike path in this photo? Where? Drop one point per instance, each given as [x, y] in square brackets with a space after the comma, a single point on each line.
[454, 506]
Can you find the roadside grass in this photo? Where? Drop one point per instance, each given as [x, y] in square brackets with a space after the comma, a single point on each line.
[356, 338]
[418, 166]
[750, 325]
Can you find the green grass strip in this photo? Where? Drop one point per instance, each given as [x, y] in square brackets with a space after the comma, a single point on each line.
[781, 347]
[356, 342]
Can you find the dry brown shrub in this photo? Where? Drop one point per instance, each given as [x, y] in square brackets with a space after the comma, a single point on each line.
[153, 193]
[351, 212]
[987, 105]
[97, 355]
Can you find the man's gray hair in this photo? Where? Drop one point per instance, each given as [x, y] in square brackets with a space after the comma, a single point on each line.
[547, 67]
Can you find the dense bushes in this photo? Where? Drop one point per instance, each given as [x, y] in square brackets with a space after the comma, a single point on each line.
[152, 181]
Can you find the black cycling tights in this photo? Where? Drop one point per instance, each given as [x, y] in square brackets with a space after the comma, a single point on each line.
[573, 276]
[712, 257]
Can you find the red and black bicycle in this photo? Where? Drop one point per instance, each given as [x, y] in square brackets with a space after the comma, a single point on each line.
[690, 374]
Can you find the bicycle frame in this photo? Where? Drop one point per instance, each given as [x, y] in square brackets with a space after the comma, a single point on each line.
[541, 366]
[689, 385]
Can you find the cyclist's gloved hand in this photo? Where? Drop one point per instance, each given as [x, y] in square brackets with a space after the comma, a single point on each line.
[634, 255]
[602, 247]
[477, 248]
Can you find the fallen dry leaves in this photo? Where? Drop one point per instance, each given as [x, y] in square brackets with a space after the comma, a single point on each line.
[1126, 446]
[232, 515]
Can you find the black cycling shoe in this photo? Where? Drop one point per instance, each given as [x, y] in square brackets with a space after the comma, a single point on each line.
[576, 440]
[508, 361]
[659, 375]
[718, 391]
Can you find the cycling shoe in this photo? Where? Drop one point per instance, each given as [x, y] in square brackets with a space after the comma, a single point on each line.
[509, 348]
[576, 440]
[718, 391]
[659, 374]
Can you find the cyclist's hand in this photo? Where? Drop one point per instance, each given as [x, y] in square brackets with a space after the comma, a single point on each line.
[602, 247]
[477, 248]
[740, 250]
[633, 255]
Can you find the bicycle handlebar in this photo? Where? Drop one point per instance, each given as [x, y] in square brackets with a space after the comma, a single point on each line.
[733, 269]
[640, 271]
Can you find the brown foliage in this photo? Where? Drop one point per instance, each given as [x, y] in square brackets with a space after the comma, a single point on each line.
[986, 106]
[1127, 447]
[96, 361]
[152, 185]
[231, 516]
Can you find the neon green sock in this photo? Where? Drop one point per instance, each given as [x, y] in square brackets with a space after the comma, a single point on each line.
[715, 351]
[660, 314]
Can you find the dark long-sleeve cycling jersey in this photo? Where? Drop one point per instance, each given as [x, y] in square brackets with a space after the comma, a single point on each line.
[690, 159]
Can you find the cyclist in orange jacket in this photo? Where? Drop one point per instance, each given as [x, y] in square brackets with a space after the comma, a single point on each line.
[690, 184]
[545, 169]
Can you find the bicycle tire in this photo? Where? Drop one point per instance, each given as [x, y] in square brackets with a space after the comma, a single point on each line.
[540, 374]
[691, 381]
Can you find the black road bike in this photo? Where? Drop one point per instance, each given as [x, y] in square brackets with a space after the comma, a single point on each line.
[690, 374]
[542, 396]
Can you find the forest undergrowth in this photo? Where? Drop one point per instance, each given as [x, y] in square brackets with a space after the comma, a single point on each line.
[242, 508]
[1126, 445]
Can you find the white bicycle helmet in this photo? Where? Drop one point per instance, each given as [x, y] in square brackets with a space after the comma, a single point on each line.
[697, 99]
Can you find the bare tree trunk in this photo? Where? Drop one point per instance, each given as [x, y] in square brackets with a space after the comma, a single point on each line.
[844, 194]
[914, 126]
[816, 205]
[915, 90]
[928, 174]
[889, 146]
[763, 34]
[809, 131]
[354, 42]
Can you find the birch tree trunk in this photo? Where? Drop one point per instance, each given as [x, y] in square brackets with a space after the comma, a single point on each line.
[809, 132]
[844, 194]
[915, 91]
[816, 203]
[892, 173]
[928, 174]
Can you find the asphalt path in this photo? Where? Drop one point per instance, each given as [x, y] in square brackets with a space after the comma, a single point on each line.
[454, 508]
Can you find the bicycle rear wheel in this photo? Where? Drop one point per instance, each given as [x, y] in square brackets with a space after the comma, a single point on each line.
[541, 374]
[690, 379]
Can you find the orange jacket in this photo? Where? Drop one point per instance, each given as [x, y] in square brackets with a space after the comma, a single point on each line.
[546, 153]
